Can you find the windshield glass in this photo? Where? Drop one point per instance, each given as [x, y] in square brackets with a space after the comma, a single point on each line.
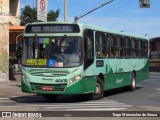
[52, 52]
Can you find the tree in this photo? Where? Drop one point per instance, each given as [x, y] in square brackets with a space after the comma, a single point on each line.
[52, 16]
[29, 15]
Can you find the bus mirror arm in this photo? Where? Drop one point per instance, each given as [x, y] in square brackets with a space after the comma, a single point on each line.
[17, 42]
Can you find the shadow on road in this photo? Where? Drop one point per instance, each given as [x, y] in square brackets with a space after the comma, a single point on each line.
[118, 91]
[61, 99]
[11, 77]
[65, 98]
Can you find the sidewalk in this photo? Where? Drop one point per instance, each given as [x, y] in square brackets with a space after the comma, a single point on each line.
[11, 88]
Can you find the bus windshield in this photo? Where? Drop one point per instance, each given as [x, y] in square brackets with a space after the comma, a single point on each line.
[52, 52]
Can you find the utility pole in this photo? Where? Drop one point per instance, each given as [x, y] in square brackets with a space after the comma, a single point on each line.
[65, 10]
[76, 18]
[33, 3]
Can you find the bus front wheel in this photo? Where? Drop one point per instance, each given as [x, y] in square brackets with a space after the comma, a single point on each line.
[49, 97]
[98, 94]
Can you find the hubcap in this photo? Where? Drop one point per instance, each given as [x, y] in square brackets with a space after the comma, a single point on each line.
[98, 88]
[133, 83]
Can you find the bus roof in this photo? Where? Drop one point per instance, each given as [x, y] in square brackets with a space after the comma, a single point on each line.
[103, 29]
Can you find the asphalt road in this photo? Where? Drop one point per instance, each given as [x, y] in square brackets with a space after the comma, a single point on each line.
[145, 98]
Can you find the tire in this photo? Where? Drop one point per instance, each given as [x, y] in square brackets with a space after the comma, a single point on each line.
[98, 94]
[133, 83]
[49, 97]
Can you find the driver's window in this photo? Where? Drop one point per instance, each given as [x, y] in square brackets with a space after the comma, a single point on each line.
[90, 48]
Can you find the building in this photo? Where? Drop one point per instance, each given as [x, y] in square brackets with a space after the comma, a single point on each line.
[9, 16]
[155, 54]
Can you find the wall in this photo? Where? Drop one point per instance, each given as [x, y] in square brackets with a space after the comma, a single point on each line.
[14, 12]
[7, 19]
[4, 39]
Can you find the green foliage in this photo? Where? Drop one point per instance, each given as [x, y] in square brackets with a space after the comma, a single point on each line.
[29, 15]
[52, 16]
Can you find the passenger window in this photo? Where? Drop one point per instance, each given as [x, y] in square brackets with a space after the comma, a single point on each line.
[127, 47]
[110, 46]
[145, 48]
[119, 50]
[133, 50]
[139, 48]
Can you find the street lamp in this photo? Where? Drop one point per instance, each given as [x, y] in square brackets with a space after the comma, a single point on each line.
[144, 3]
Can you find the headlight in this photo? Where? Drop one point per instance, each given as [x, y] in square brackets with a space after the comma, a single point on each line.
[78, 78]
[75, 79]
[23, 77]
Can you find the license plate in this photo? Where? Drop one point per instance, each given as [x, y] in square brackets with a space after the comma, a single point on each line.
[47, 88]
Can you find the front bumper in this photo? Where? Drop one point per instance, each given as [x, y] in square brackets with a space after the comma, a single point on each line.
[76, 88]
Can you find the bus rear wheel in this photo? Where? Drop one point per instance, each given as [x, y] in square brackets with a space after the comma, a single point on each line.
[98, 94]
[49, 97]
[133, 83]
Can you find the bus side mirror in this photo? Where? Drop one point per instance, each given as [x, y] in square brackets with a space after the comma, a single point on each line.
[17, 41]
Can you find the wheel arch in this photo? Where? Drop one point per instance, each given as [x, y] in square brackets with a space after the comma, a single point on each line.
[134, 71]
[101, 76]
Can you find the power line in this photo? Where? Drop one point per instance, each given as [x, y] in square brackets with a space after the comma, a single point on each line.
[76, 18]
[111, 11]
[58, 7]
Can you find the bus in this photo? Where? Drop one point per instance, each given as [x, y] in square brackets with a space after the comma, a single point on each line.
[62, 58]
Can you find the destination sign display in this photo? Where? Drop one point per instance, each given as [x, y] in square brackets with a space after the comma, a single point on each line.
[52, 28]
[36, 62]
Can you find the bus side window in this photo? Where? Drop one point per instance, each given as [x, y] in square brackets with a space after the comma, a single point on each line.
[133, 48]
[111, 46]
[123, 46]
[139, 48]
[127, 47]
[145, 48]
[142, 54]
[136, 48]
[107, 46]
[118, 46]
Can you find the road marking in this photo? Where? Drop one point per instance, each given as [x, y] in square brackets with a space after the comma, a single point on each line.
[4, 98]
[97, 109]
[109, 106]
[62, 105]
[138, 86]
[157, 88]
[8, 98]
[99, 105]
[89, 105]
[147, 80]
[9, 106]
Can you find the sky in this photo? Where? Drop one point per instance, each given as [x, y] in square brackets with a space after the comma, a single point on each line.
[121, 15]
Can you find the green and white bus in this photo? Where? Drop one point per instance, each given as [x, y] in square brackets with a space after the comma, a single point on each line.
[73, 58]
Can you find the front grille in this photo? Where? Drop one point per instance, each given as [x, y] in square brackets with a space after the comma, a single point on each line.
[55, 87]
